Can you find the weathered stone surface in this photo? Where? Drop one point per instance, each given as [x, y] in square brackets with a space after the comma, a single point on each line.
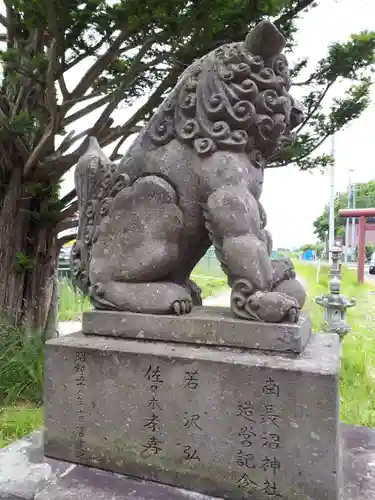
[83, 483]
[24, 471]
[205, 325]
[358, 448]
[75, 482]
[221, 421]
[193, 178]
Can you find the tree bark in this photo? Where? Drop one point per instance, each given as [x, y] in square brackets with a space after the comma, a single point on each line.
[28, 259]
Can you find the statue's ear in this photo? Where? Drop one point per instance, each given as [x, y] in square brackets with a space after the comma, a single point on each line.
[265, 40]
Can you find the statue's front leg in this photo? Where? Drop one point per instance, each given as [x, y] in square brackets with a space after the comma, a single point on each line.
[235, 224]
[284, 275]
[285, 280]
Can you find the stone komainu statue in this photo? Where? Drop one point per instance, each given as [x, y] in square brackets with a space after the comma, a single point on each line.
[193, 178]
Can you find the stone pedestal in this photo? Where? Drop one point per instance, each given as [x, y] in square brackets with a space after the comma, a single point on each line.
[25, 474]
[204, 325]
[221, 421]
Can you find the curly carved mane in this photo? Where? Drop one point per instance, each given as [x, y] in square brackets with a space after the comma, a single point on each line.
[230, 100]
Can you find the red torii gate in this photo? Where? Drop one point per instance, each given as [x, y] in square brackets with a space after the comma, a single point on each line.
[362, 214]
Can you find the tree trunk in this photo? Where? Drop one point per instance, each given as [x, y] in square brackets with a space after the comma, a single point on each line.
[28, 257]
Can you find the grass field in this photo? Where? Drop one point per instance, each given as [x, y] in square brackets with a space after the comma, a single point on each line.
[72, 301]
[358, 348]
[21, 382]
[16, 422]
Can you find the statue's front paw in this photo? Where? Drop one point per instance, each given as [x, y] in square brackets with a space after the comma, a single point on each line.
[275, 307]
[292, 288]
[272, 307]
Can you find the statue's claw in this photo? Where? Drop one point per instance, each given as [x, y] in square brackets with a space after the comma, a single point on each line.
[180, 307]
[293, 315]
[195, 292]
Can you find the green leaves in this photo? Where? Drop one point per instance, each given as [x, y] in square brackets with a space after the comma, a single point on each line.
[23, 262]
[347, 67]
[351, 105]
[347, 59]
[160, 39]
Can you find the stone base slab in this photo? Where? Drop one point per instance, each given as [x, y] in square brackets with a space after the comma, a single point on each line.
[204, 325]
[224, 422]
[25, 474]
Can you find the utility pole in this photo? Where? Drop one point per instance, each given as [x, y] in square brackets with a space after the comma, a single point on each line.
[354, 235]
[347, 224]
[331, 236]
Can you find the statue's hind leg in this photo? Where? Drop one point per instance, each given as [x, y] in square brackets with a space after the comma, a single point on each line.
[137, 249]
[160, 297]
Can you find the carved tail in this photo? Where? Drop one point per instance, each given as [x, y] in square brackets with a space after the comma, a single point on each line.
[97, 182]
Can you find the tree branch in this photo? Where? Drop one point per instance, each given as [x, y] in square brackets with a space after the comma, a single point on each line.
[63, 88]
[92, 51]
[53, 27]
[4, 21]
[55, 167]
[88, 109]
[114, 154]
[101, 63]
[69, 197]
[49, 134]
[315, 107]
[66, 224]
[302, 157]
[22, 94]
[11, 20]
[50, 81]
[292, 13]
[114, 98]
[72, 102]
[151, 103]
[68, 212]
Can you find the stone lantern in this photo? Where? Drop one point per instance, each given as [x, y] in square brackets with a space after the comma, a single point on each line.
[335, 305]
[336, 254]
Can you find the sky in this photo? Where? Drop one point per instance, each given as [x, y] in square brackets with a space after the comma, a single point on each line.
[294, 199]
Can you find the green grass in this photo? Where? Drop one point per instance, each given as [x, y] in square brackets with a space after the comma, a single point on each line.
[16, 422]
[21, 382]
[358, 347]
[209, 286]
[72, 301]
[21, 366]
[209, 267]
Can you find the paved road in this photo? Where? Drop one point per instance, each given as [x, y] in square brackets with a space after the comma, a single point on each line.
[368, 277]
